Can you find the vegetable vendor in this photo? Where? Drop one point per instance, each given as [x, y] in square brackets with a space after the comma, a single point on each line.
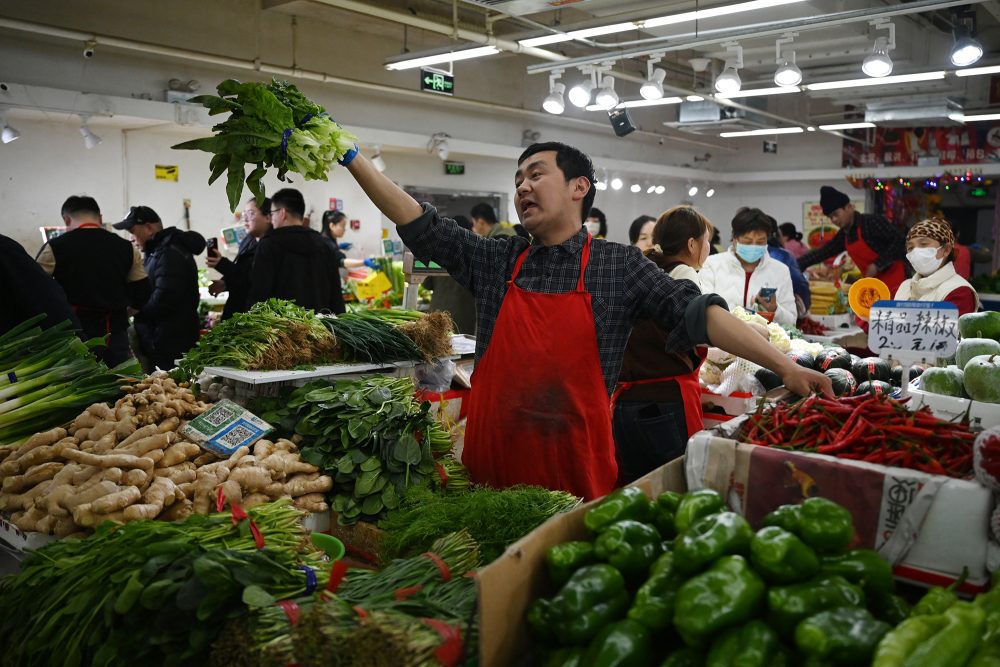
[555, 314]
[656, 406]
[876, 247]
[930, 250]
[333, 226]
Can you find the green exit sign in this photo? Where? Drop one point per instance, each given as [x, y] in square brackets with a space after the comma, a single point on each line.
[433, 81]
[454, 168]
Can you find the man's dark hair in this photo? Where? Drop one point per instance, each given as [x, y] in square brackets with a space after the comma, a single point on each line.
[291, 200]
[484, 211]
[330, 218]
[636, 227]
[463, 222]
[264, 207]
[80, 204]
[753, 220]
[573, 163]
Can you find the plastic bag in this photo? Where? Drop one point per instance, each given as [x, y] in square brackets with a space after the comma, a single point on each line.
[435, 376]
[739, 376]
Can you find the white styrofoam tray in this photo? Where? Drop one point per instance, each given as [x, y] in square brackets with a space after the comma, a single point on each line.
[952, 408]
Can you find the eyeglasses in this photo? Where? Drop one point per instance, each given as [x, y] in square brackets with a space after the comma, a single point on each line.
[275, 210]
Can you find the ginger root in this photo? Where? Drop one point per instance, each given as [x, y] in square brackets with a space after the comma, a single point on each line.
[178, 453]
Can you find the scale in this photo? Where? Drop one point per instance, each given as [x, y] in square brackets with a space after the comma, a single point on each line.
[414, 271]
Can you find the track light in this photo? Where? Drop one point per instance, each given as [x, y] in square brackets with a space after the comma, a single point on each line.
[788, 73]
[660, 189]
[606, 97]
[878, 63]
[729, 82]
[579, 95]
[616, 183]
[966, 50]
[600, 185]
[636, 188]
[710, 193]
[9, 134]
[90, 139]
[651, 189]
[652, 88]
[692, 190]
[377, 160]
[554, 103]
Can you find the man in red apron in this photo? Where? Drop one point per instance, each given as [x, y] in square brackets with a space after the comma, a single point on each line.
[875, 245]
[554, 316]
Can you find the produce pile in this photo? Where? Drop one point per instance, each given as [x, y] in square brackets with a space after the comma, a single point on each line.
[976, 371]
[370, 435]
[851, 374]
[48, 375]
[152, 592]
[419, 612]
[715, 593]
[827, 298]
[383, 336]
[868, 428]
[270, 125]
[808, 325]
[129, 462]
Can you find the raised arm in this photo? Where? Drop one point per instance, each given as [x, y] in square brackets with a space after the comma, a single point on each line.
[388, 197]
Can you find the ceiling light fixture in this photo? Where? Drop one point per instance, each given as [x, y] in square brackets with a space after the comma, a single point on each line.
[652, 87]
[695, 98]
[846, 126]
[660, 189]
[729, 82]
[980, 117]
[651, 189]
[579, 95]
[878, 63]
[760, 92]
[710, 193]
[636, 188]
[692, 190]
[788, 73]
[966, 50]
[377, 160]
[976, 71]
[445, 57]
[616, 183]
[554, 103]
[8, 134]
[90, 140]
[606, 97]
[886, 80]
[600, 185]
[762, 132]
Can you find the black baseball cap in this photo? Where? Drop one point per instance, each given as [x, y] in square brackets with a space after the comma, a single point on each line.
[137, 215]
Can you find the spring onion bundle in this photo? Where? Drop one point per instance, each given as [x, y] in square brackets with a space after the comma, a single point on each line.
[48, 375]
[368, 336]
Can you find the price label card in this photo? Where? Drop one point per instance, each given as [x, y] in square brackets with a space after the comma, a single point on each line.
[913, 328]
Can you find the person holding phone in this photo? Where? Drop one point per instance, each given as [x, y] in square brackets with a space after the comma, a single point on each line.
[236, 272]
[747, 275]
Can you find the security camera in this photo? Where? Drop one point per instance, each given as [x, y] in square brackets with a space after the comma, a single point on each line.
[88, 49]
[4, 87]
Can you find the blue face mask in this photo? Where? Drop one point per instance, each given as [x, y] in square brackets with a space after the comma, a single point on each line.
[750, 253]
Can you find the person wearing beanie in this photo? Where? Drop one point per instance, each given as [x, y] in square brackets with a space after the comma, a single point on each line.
[930, 250]
[874, 244]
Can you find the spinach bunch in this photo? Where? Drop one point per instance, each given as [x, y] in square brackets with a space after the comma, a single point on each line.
[270, 125]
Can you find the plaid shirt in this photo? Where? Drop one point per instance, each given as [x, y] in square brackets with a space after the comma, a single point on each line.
[881, 236]
[624, 285]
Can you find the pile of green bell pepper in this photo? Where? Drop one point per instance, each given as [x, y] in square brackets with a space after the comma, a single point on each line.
[681, 581]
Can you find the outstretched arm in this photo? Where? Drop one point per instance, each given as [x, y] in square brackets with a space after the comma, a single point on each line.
[388, 197]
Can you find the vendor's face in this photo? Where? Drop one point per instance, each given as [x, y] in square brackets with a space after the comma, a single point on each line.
[928, 242]
[545, 202]
[338, 230]
[254, 221]
[645, 240]
[842, 216]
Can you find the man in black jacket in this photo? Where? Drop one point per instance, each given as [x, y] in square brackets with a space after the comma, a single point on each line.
[167, 326]
[236, 272]
[294, 262]
[101, 273]
[28, 291]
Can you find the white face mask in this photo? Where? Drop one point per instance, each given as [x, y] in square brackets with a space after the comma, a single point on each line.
[593, 227]
[924, 260]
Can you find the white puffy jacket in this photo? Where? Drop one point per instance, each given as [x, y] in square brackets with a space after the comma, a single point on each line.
[724, 275]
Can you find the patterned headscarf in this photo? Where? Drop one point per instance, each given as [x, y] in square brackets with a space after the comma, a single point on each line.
[933, 228]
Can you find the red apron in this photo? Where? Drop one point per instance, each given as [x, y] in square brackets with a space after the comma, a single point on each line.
[864, 256]
[538, 413]
[690, 388]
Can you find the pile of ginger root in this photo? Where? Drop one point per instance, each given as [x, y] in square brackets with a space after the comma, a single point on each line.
[130, 462]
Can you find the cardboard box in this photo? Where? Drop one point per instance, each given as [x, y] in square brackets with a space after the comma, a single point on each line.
[508, 585]
[928, 526]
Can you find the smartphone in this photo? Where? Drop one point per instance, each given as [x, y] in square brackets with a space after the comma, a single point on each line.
[768, 292]
[213, 246]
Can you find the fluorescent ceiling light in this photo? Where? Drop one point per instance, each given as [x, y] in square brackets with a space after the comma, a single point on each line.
[695, 98]
[976, 71]
[763, 132]
[451, 56]
[857, 83]
[583, 33]
[846, 126]
[980, 117]
[632, 104]
[780, 90]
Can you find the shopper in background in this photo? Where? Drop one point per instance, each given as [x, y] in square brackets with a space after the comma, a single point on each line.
[100, 272]
[640, 232]
[167, 325]
[930, 246]
[791, 240]
[29, 291]
[294, 262]
[554, 316]
[333, 227]
[236, 272]
[656, 406]
[800, 284]
[485, 223]
[739, 274]
[874, 244]
[716, 246]
[597, 223]
[451, 296]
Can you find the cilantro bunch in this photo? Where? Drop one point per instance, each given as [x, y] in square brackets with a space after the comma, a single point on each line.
[270, 125]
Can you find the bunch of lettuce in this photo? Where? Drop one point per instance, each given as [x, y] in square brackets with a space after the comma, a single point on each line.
[270, 125]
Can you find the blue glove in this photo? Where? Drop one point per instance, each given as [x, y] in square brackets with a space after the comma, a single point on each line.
[371, 263]
[348, 156]
[346, 246]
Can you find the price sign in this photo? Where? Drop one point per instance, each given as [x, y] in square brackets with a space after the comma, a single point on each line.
[913, 329]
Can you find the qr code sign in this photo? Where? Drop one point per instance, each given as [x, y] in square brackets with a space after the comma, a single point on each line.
[228, 441]
[236, 436]
[219, 415]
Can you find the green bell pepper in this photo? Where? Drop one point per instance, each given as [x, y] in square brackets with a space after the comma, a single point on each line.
[904, 639]
[564, 559]
[627, 503]
[863, 567]
[789, 605]
[664, 510]
[752, 645]
[781, 557]
[593, 597]
[846, 636]
[785, 516]
[565, 657]
[727, 594]
[825, 526]
[955, 643]
[684, 657]
[653, 605]
[709, 538]
[696, 504]
[631, 547]
[624, 643]
[888, 607]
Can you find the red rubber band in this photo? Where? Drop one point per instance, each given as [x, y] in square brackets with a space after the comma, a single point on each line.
[449, 653]
[408, 592]
[441, 565]
[292, 610]
[220, 499]
[258, 538]
[442, 474]
[337, 574]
